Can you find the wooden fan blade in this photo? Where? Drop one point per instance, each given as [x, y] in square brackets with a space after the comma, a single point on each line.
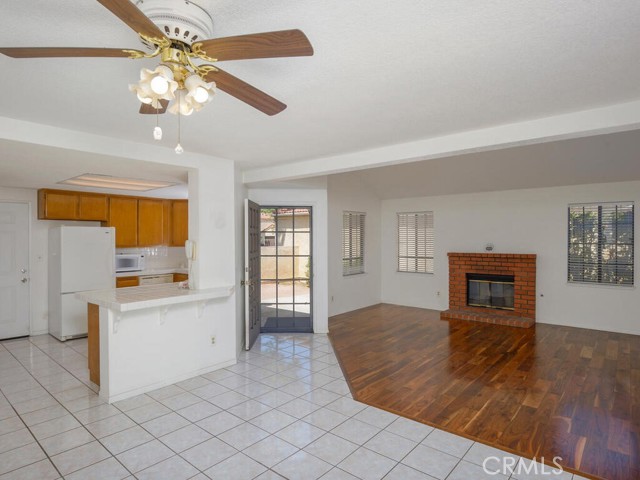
[147, 109]
[133, 17]
[44, 52]
[285, 43]
[245, 92]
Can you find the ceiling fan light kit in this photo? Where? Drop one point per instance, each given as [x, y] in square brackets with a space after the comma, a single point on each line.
[180, 34]
[155, 85]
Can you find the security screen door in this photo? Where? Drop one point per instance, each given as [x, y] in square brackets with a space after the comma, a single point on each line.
[251, 272]
[286, 269]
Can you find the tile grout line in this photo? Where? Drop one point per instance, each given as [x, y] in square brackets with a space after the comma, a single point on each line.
[276, 358]
[68, 411]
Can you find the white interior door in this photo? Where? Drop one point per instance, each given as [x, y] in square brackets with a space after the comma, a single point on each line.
[14, 270]
[251, 272]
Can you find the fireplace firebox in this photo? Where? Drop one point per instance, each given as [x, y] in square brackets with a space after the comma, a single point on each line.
[491, 291]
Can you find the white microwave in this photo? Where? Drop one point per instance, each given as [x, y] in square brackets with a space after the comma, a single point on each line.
[129, 262]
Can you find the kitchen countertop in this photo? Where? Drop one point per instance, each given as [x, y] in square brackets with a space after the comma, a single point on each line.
[148, 296]
[154, 271]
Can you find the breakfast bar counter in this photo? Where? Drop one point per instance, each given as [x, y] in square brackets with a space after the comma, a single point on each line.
[143, 338]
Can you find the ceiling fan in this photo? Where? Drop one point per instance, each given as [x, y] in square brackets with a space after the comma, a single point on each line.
[179, 33]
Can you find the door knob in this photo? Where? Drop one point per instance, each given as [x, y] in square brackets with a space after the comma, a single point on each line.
[24, 280]
[22, 270]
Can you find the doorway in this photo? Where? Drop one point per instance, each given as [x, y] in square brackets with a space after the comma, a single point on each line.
[286, 269]
[14, 270]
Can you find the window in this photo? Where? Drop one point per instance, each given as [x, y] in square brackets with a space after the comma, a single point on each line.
[352, 243]
[601, 243]
[415, 242]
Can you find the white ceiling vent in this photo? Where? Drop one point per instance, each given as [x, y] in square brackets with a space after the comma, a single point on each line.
[182, 20]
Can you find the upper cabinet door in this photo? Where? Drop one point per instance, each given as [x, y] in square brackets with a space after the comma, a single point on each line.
[179, 222]
[151, 222]
[57, 205]
[123, 215]
[94, 207]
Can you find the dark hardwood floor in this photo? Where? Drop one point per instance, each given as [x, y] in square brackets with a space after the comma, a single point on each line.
[544, 391]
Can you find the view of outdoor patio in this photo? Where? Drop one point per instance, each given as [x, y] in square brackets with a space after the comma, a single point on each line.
[285, 269]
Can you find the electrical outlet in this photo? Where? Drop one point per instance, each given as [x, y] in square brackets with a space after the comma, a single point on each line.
[213, 339]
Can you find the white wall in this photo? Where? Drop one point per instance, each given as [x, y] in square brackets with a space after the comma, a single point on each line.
[518, 221]
[347, 193]
[38, 257]
[212, 225]
[317, 199]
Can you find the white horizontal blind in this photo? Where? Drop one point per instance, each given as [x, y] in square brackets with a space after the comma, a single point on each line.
[415, 242]
[601, 243]
[352, 243]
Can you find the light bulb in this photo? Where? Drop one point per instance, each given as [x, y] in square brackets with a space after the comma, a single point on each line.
[159, 85]
[201, 95]
[179, 149]
[157, 133]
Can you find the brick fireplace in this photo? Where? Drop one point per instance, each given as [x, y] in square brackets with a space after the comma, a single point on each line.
[520, 267]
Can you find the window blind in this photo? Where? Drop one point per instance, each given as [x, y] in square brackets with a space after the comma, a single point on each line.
[415, 242]
[601, 243]
[352, 243]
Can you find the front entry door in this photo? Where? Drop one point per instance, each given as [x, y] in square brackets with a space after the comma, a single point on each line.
[251, 272]
[14, 270]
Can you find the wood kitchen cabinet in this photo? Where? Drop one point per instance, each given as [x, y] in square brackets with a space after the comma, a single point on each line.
[68, 205]
[93, 207]
[180, 277]
[93, 342]
[139, 221]
[179, 222]
[166, 222]
[151, 222]
[123, 215]
[122, 282]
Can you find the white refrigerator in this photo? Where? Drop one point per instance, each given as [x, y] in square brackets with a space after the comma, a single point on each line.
[80, 258]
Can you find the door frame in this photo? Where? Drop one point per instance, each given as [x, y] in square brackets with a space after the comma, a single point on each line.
[29, 205]
[317, 199]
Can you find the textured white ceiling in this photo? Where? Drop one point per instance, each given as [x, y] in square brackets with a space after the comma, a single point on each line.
[581, 161]
[383, 72]
[24, 165]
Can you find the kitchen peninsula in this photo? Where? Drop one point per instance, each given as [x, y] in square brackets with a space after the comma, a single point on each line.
[147, 337]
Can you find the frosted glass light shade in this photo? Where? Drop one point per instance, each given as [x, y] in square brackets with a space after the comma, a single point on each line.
[181, 105]
[159, 85]
[199, 92]
[155, 85]
[201, 95]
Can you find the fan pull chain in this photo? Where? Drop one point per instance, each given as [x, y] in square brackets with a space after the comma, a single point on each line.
[157, 132]
[179, 148]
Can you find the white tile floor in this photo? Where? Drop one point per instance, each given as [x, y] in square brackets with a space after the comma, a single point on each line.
[283, 411]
